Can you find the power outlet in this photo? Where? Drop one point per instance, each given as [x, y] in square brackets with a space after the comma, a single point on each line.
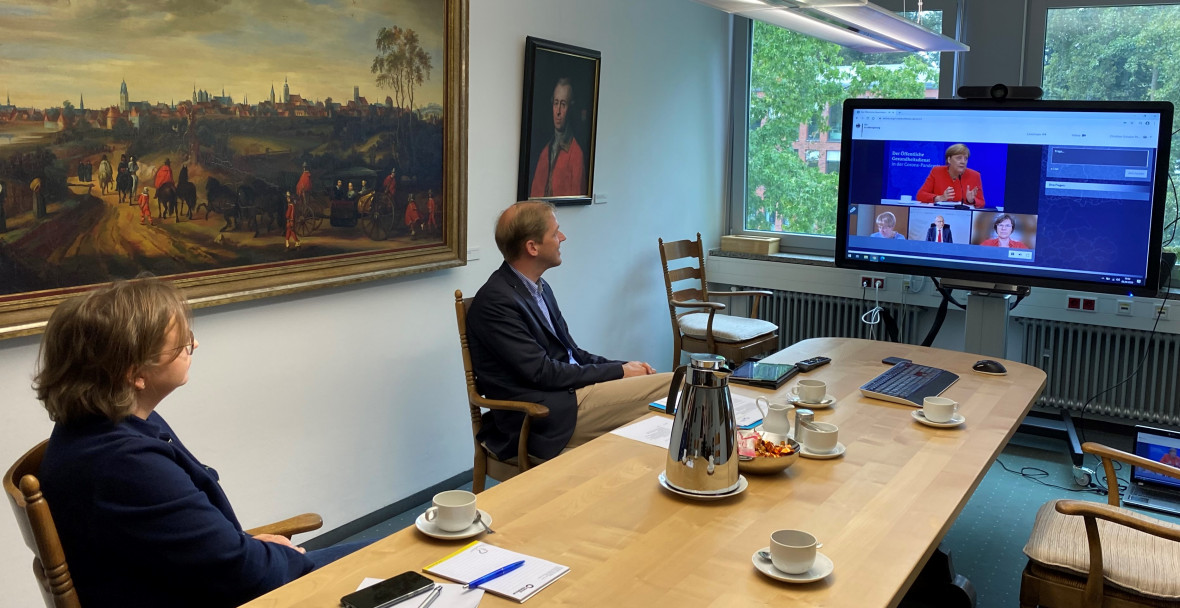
[872, 282]
[1161, 310]
[1124, 308]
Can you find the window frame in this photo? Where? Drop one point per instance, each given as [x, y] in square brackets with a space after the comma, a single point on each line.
[743, 30]
[1036, 28]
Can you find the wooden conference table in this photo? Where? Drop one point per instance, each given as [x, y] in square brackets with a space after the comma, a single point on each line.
[880, 510]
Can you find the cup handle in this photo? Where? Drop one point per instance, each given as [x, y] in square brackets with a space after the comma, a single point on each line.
[758, 404]
[819, 545]
[431, 513]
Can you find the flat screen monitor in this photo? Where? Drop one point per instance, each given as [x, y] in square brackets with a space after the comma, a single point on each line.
[1064, 194]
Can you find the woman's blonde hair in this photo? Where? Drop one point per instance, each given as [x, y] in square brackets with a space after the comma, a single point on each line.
[93, 343]
[958, 149]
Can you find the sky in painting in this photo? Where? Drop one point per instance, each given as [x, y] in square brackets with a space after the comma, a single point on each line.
[55, 50]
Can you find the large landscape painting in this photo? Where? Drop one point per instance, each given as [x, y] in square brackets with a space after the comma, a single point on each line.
[241, 147]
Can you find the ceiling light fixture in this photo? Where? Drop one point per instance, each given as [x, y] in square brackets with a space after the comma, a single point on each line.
[856, 24]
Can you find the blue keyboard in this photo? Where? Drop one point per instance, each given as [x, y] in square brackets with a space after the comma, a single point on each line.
[908, 384]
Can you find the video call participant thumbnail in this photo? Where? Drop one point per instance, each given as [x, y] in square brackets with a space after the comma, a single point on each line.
[1003, 226]
[953, 182]
[887, 227]
[939, 232]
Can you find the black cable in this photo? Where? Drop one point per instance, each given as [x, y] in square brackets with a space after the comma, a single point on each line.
[946, 293]
[1146, 352]
[939, 317]
[1035, 474]
[1176, 218]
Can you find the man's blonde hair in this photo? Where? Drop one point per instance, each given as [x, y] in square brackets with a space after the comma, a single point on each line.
[522, 222]
[94, 342]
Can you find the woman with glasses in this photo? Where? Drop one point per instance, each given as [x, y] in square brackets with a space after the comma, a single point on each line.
[142, 521]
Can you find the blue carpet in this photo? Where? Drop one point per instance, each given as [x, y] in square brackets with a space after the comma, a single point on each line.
[987, 540]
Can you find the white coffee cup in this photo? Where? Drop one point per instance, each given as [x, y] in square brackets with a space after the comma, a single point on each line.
[810, 391]
[776, 417]
[793, 551]
[453, 510]
[939, 409]
[821, 439]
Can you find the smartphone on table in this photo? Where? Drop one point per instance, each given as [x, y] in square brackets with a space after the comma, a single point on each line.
[388, 592]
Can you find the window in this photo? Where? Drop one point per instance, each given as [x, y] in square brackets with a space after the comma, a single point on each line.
[791, 150]
[1129, 52]
[833, 162]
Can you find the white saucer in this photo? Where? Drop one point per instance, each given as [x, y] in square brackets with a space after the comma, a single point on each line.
[828, 401]
[742, 485]
[836, 453]
[955, 420]
[429, 529]
[822, 567]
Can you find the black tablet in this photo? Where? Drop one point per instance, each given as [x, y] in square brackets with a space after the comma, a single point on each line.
[767, 375]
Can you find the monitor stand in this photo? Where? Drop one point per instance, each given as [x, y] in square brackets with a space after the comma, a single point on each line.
[986, 333]
[986, 330]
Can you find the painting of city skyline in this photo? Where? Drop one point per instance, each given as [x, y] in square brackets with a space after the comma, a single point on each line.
[242, 148]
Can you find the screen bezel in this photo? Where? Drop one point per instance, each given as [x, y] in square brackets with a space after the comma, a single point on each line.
[1163, 162]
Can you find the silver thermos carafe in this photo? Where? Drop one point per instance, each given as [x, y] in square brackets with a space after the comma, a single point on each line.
[703, 453]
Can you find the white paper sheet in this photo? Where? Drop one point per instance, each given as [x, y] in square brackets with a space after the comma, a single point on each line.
[656, 431]
[745, 410]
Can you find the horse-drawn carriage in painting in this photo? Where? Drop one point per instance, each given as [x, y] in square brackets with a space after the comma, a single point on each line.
[355, 201]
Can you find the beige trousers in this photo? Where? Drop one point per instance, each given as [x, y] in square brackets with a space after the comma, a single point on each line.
[606, 406]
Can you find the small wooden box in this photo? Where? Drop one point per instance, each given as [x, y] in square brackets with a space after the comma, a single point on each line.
[760, 245]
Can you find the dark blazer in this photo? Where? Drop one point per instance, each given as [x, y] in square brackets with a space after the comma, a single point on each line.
[144, 524]
[946, 233]
[517, 357]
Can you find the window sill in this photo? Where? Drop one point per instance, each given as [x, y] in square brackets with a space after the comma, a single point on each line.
[787, 258]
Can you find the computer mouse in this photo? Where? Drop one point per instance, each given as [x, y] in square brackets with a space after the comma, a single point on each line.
[987, 366]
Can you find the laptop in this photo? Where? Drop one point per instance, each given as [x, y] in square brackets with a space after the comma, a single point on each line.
[1148, 489]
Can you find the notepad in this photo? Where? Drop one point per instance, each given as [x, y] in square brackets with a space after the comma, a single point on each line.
[480, 558]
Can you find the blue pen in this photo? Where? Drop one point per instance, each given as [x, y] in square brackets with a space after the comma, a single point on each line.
[494, 575]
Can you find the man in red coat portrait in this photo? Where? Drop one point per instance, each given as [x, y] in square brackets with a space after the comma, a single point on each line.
[561, 167]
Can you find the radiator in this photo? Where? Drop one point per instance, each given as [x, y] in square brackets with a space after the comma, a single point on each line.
[1084, 360]
[800, 316]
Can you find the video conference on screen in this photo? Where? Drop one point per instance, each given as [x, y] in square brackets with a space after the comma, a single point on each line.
[1058, 210]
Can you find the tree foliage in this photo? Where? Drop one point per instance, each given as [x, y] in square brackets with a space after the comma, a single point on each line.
[793, 80]
[402, 65]
[1119, 53]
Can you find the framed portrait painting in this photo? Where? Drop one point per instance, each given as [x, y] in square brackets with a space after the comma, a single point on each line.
[558, 122]
[336, 153]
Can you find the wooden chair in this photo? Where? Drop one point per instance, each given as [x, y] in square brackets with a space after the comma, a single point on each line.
[1094, 555]
[695, 325]
[40, 533]
[486, 464]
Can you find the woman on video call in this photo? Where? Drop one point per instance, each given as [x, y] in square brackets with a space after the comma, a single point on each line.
[953, 182]
[1003, 226]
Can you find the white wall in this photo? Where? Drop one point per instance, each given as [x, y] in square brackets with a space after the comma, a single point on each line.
[320, 401]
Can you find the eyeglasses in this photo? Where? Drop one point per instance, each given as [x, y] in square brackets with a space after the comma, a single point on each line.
[188, 346]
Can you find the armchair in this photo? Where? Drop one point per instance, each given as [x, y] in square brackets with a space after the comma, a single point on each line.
[486, 464]
[1093, 555]
[696, 326]
[40, 533]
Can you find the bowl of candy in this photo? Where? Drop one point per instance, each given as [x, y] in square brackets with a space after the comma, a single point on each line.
[760, 456]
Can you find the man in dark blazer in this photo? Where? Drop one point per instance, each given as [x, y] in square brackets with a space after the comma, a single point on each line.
[939, 225]
[521, 349]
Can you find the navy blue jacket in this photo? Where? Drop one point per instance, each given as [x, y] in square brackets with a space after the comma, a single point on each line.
[144, 524]
[517, 357]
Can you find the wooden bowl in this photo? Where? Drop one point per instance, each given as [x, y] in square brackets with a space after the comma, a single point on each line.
[765, 465]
